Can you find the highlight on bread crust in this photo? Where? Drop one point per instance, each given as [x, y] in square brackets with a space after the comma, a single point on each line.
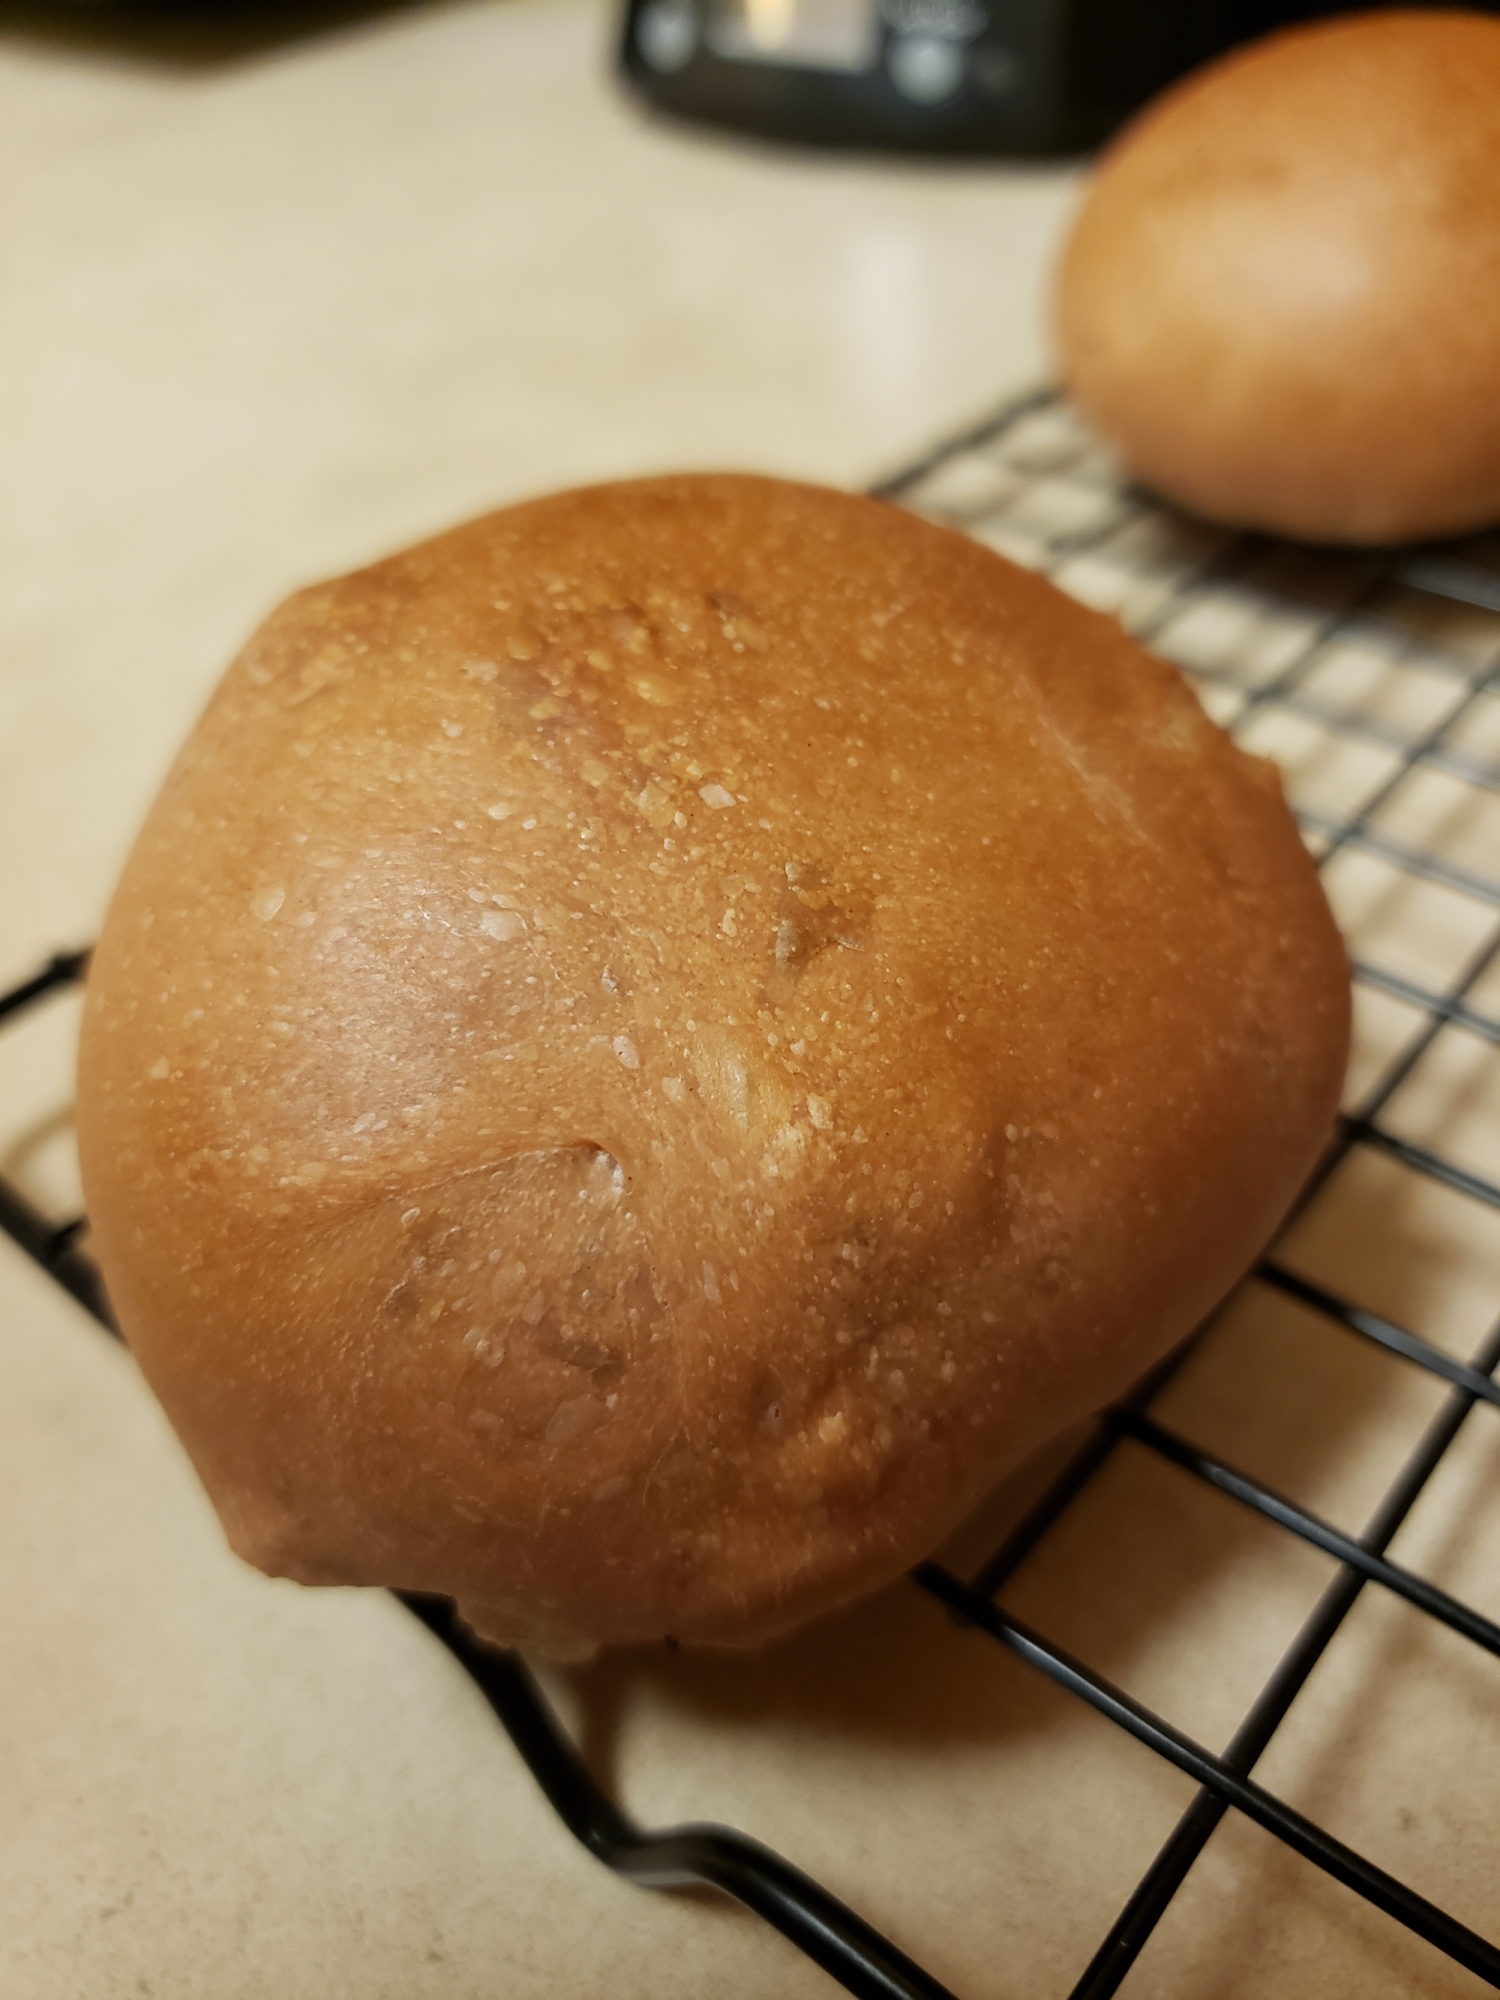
[1281, 299]
[652, 1045]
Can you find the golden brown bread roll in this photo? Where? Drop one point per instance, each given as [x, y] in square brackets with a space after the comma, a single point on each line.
[1281, 300]
[652, 1045]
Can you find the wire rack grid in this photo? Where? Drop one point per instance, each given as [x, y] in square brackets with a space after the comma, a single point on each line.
[1375, 681]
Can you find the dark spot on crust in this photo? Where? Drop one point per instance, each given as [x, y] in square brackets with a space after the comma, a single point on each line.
[809, 920]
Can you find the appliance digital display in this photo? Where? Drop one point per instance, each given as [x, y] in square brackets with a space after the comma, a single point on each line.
[796, 34]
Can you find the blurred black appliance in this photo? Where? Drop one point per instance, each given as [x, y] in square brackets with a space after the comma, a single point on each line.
[944, 76]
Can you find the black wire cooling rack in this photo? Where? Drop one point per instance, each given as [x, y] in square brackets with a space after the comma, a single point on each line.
[1267, 633]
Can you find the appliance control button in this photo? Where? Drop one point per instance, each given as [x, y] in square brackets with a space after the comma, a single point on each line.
[666, 33]
[925, 68]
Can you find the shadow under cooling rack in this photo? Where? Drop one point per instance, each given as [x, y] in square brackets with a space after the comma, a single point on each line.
[1374, 681]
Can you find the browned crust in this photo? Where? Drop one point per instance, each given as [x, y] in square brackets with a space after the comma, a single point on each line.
[652, 1045]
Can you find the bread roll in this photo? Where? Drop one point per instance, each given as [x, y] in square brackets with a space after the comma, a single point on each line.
[1281, 300]
[652, 1045]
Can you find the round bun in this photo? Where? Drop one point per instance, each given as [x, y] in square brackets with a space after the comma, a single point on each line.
[1281, 301]
[652, 1045]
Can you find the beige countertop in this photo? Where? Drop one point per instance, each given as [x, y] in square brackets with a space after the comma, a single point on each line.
[265, 319]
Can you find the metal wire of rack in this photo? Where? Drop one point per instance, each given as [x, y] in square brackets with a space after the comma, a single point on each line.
[1261, 630]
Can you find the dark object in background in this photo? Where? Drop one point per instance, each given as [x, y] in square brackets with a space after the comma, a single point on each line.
[185, 35]
[939, 76]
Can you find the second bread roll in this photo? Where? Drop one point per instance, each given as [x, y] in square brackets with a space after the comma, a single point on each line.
[1281, 301]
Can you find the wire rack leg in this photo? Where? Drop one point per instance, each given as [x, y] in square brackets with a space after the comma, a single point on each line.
[850, 1950]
